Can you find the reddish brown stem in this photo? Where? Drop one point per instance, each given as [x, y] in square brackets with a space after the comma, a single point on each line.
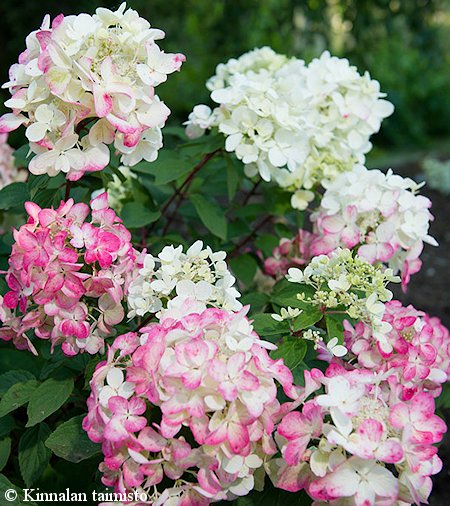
[249, 237]
[67, 195]
[184, 188]
[251, 192]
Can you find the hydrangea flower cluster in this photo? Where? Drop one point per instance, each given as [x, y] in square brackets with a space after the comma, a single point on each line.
[348, 283]
[192, 399]
[379, 214]
[356, 441]
[67, 276]
[289, 253]
[198, 273]
[417, 349]
[297, 124]
[100, 69]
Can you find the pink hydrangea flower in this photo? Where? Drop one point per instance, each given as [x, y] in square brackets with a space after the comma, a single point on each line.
[381, 215]
[203, 375]
[61, 268]
[289, 253]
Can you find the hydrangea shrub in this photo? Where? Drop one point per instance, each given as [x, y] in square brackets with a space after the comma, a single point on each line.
[212, 320]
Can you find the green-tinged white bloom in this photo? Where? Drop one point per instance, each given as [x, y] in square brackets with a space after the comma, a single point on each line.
[347, 283]
[287, 314]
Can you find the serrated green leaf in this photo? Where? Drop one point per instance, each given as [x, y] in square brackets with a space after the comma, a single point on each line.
[47, 398]
[244, 268]
[16, 396]
[335, 326]
[5, 450]
[285, 294]
[265, 326]
[211, 215]
[34, 456]
[14, 194]
[292, 351]
[10, 378]
[71, 442]
[309, 316]
[136, 215]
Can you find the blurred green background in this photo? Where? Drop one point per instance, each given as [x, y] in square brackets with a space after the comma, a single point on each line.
[405, 44]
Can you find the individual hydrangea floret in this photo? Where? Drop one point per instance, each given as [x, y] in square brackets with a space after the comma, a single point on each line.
[198, 273]
[67, 275]
[381, 215]
[100, 70]
[348, 283]
[297, 124]
[191, 400]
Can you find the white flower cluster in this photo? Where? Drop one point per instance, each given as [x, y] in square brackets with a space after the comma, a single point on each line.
[102, 68]
[348, 283]
[297, 124]
[199, 274]
[379, 213]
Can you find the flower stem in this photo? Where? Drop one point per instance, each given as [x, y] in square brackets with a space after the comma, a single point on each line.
[181, 192]
[249, 237]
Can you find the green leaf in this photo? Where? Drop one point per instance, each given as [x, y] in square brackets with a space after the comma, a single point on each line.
[34, 456]
[265, 325]
[7, 486]
[285, 294]
[233, 178]
[15, 194]
[335, 326]
[20, 156]
[443, 401]
[211, 214]
[47, 398]
[136, 215]
[16, 396]
[10, 378]
[267, 243]
[5, 450]
[292, 350]
[172, 171]
[309, 316]
[257, 301]
[71, 442]
[244, 268]
[7, 424]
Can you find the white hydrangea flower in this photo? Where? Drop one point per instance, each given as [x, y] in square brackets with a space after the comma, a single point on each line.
[300, 125]
[348, 283]
[198, 274]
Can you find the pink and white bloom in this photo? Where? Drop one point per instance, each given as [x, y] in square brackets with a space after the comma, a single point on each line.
[98, 70]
